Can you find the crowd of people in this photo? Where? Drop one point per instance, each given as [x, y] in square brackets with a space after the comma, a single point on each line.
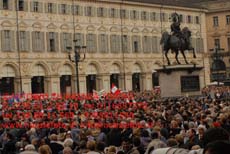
[165, 126]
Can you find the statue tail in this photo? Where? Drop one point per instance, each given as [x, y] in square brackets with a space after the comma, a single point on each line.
[164, 38]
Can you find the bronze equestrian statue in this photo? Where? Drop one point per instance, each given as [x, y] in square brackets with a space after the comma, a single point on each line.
[179, 40]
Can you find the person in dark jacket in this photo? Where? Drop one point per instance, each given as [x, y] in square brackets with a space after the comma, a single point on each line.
[9, 147]
[54, 146]
[114, 137]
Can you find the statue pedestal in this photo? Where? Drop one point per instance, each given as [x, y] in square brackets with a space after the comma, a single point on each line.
[180, 80]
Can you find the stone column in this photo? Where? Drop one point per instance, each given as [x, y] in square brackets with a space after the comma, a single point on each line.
[26, 85]
[52, 85]
[105, 82]
[128, 81]
[148, 78]
[82, 82]
[99, 82]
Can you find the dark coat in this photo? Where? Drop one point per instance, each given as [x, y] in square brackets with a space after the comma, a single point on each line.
[55, 147]
[9, 147]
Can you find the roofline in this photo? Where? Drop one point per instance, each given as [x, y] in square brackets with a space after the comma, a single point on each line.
[185, 8]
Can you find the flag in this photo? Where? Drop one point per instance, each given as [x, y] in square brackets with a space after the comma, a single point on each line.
[115, 90]
[95, 95]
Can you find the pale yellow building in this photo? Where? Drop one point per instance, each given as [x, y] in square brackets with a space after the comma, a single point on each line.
[218, 35]
[122, 39]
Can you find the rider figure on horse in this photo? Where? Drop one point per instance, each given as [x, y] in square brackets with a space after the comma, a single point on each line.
[175, 26]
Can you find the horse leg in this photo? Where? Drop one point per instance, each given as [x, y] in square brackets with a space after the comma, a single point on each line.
[166, 55]
[194, 54]
[176, 56]
[185, 59]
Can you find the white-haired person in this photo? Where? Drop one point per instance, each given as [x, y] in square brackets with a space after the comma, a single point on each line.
[29, 149]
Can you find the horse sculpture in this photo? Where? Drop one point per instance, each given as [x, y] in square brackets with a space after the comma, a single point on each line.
[176, 44]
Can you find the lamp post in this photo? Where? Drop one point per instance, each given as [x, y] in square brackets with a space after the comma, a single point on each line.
[216, 58]
[77, 58]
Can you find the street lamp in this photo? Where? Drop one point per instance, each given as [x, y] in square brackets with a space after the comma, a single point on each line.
[217, 65]
[78, 50]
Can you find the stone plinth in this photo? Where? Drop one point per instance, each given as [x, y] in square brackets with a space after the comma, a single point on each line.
[180, 80]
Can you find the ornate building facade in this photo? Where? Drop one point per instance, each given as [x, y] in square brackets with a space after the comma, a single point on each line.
[122, 40]
[218, 35]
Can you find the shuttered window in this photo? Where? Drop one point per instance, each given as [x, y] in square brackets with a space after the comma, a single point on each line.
[8, 40]
[36, 6]
[24, 41]
[146, 43]
[66, 41]
[115, 44]
[199, 45]
[79, 39]
[77, 10]
[144, 15]
[22, 5]
[64, 9]
[101, 12]
[52, 41]
[124, 14]
[91, 43]
[38, 41]
[136, 44]
[51, 8]
[89, 11]
[154, 44]
[134, 15]
[103, 43]
[153, 16]
[113, 13]
[125, 43]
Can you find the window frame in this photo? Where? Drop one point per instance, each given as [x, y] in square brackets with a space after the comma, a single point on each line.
[215, 21]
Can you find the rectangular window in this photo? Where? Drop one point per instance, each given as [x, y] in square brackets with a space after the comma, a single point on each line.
[181, 18]
[37, 41]
[189, 19]
[112, 13]
[89, 11]
[115, 43]
[215, 21]
[76, 10]
[123, 14]
[136, 43]
[146, 43]
[162, 15]
[217, 43]
[63, 8]
[79, 39]
[50, 7]
[153, 16]
[91, 43]
[52, 41]
[143, 15]
[197, 20]
[21, 5]
[66, 41]
[103, 45]
[7, 40]
[228, 19]
[154, 44]
[125, 43]
[22, 40]
[100, 12]
[35, 6]
[134, 15]
[5, 4]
